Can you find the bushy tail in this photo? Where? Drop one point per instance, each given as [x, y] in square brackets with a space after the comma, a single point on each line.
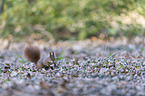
[32, 53]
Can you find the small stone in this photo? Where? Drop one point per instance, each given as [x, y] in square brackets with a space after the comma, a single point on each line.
[108, 90]
[14, 73]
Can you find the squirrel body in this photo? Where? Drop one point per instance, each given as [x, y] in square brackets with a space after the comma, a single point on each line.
[32, 53]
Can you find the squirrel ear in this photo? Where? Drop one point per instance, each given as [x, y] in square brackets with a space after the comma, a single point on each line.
[50, 53]
[53, 53]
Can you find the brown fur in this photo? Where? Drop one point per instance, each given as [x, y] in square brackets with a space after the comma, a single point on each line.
[32, 53]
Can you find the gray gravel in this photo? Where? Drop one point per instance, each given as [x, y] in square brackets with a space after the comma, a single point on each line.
[85, 72]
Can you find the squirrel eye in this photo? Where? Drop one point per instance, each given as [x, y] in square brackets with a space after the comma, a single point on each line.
[46, 67]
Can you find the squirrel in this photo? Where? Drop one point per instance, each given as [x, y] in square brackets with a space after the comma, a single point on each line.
[32, 53]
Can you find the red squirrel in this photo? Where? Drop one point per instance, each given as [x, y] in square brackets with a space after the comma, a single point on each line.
[32, 53]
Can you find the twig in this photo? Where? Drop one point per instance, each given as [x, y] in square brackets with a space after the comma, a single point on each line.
[105, 47]
[116, 53]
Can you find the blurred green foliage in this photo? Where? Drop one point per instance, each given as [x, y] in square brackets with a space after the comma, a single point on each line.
[69, 19]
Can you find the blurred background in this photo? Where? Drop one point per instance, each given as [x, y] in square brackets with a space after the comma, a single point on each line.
[71, 19]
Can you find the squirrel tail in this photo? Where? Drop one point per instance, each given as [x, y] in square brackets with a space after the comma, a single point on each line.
[32, 53]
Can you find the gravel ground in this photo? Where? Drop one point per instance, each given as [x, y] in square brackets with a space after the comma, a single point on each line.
[80, 71]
